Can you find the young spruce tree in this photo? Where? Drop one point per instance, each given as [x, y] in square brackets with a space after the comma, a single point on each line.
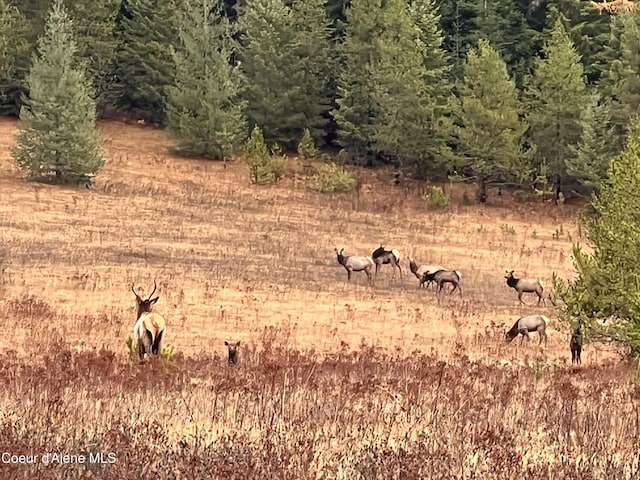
[57, 141]
[204, 110]
[607, 285]
[488, 128]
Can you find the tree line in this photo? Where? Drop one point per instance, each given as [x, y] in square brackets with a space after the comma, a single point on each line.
[494, 91]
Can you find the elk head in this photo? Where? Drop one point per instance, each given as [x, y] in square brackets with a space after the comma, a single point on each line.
[144, 305]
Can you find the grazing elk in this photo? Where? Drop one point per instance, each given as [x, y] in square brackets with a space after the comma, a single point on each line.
[150, 327]
[530, 323]
[232, 348]
[525, 285]
[355, 263]
[444, 276]
[575, 345]
[420, 270]
[381, 256]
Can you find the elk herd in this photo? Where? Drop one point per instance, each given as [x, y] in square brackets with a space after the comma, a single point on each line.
[439, 275]
[150, 328]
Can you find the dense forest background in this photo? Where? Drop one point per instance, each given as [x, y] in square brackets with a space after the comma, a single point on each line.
[499, 92]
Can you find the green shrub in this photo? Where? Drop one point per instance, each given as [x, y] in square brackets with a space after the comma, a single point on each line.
[166, 354]
[436, 198]
[265, 165]
[306, 147]
[332, 178]
[278, 162]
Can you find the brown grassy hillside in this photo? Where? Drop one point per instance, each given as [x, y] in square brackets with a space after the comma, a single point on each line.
[336, 380]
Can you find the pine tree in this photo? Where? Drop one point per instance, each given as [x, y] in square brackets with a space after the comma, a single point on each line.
[57, 141]
[355, 108]
[459, 20]
[315, 49]
[621, 81]
[589, 32]
[95, 24]
[14, 54]
[398, 89]
[505, 26]
[607, 285]
[557, 97]
[144, 67]
[488, 127]
[286, 56]
[204, 109]
[591, 156]
[437, 88]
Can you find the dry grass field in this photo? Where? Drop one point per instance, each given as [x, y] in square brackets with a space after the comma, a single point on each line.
[335, 380]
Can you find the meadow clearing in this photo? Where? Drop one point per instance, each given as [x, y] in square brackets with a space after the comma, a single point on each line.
[335, 380]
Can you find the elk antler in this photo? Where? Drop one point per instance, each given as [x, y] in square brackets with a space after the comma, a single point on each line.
[154, 290]
[134, 292]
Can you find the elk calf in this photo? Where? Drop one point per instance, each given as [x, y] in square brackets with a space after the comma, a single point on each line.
[575, 345]
[150, 328]
[232, 347]
[525, 285]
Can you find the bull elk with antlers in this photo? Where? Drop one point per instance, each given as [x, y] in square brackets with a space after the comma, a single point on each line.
[150, 327]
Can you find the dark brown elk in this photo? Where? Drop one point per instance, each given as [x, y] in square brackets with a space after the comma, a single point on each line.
[575, 345]
[232, 348]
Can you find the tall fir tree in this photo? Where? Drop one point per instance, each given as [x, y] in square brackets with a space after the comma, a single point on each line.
[489, 130]
[355, 108]
[588, 30]
[286, 56]
[437, 89]
[621, 82]
[607, 284]
[314, 45]
[14, 48]
[144, 67]
[57, 141]
[591, 156]
[398, 85]
[505, 26]
[557, 97]
[95, 25]
[204, 109]
[459, 20]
